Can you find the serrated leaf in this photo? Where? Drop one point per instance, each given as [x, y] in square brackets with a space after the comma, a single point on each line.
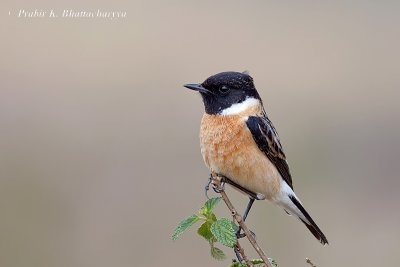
[210, 204]
[183, 225]
[217, 254]
[224, 232]
[204, 230]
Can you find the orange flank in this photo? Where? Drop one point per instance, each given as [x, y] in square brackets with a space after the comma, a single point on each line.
[228, 148]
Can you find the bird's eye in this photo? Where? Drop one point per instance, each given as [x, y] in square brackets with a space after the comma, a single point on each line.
[224, 89]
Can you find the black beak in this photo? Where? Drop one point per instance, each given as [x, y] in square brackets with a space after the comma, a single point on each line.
[197, 87]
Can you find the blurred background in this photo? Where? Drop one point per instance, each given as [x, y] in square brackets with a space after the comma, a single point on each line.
[99, 149]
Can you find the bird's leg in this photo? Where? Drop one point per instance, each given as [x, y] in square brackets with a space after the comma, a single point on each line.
[207, 187]
[246, 212]
[237, 253]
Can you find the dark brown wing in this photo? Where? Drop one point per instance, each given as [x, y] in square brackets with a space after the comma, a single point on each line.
[267, 140]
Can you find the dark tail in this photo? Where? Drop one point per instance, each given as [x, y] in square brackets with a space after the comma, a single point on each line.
[309, 222]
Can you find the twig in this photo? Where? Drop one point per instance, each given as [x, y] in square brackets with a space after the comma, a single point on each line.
[216, 181]
[310, 262]
[244, 257]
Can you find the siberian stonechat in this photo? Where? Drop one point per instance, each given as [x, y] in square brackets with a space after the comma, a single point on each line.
[238, 141]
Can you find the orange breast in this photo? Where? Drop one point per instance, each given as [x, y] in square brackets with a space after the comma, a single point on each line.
[228, 148]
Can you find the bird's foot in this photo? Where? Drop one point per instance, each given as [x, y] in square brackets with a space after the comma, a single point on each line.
[240, 235]
[218, 188]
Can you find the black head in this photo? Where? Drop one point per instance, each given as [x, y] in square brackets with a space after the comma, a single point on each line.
[225, 89]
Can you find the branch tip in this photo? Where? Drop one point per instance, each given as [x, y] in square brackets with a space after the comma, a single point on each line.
[310, 262]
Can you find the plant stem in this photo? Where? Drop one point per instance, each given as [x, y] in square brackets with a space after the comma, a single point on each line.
[310, 262]
[216, 181]
[244, 257]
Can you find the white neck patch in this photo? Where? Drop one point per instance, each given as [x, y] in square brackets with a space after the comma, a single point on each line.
[241, 107]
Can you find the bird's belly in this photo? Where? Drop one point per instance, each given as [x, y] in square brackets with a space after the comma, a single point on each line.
[228, 148]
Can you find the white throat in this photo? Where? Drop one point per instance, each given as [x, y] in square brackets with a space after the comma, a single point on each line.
[241, 107]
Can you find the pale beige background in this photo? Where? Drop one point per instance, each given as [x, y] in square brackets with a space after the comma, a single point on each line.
[99, 154]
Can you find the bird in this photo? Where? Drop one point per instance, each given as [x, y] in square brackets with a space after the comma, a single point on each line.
[238, 141]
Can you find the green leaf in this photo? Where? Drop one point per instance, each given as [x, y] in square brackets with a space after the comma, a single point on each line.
[212, 202]
[217, 254]
[237, 264]
[212, 217]
[183, 225]
[204, 230]
[209, 206]
[224, 232]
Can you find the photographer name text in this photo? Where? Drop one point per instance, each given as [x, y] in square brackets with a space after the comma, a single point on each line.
[69, 14]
